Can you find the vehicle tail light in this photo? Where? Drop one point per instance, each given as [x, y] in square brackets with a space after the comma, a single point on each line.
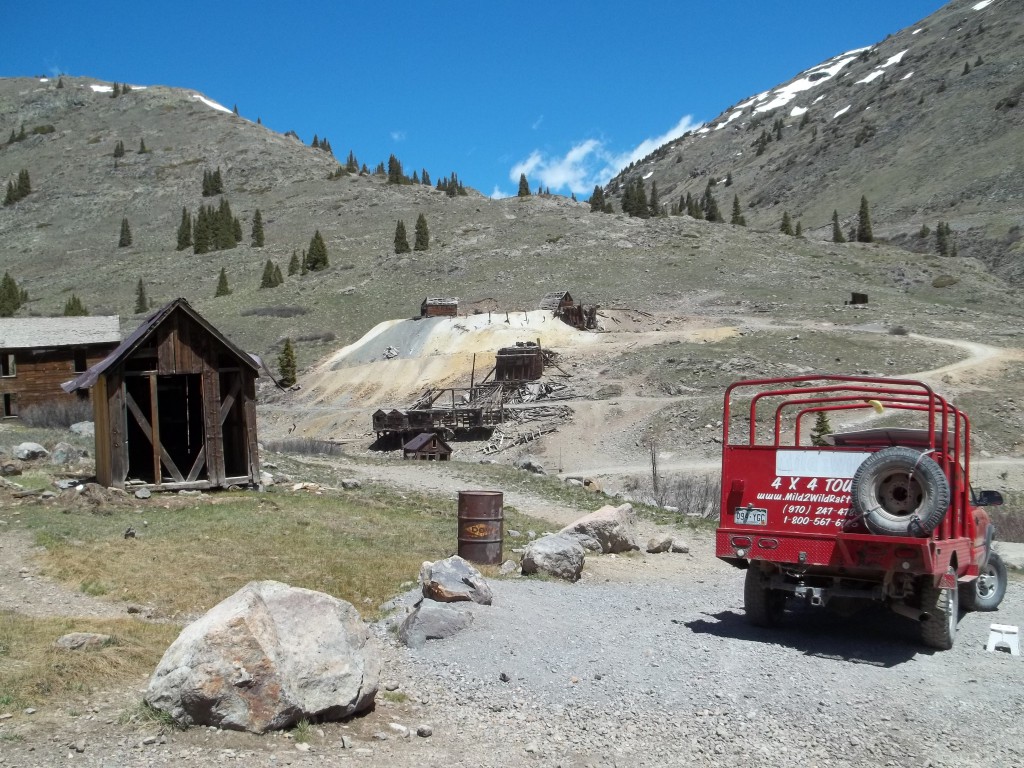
[740, 541]
[768, 543]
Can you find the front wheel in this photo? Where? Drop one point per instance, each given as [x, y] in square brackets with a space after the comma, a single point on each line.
[986, 592]
[762, 604]
[943, 608]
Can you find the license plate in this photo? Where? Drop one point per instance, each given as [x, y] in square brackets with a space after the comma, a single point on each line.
[751, 516]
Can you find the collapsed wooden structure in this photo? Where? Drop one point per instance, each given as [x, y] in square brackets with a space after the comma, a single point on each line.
[565, 308]
[37, 354]
[174, 406]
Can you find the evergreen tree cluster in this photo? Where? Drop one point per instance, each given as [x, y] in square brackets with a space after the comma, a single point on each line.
[11, 296]
[213, 183]
[120, 89]
[323, 144]
[119, 149]
[21, 135]
[214, 229]
[634, 199]
[451, 186]
[395, 173]
[272, 276]
[598, 202]
[18, 190]
[74, 307]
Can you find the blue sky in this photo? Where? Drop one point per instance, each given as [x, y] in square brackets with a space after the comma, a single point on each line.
[567, 91]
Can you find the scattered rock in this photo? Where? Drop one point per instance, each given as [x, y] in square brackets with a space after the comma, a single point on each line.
[351, 484]
[424, 731]
[11, 468]
[64, 453]
[84, 428]
[678, 545]
[399, 730]
[453, 580]
[613, 527]
[266, 478]
[508, 567]
[255, 662]
[556, 555]
[433, 621]
[143, 493]
[30, 451]
[659, 544]
[77, 641]
[530, 464]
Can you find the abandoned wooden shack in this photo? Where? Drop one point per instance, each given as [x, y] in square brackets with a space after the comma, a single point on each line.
[439, 307]
[523, 362]
[37, 354]
[174, 406]
[565, 308]
[427, 447]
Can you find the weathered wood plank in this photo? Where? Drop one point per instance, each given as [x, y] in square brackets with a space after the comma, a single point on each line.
[143, 423]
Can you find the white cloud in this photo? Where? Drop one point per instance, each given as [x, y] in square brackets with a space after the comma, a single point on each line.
[398, 135]
[537, 123]
[590, 162]
[498, 193]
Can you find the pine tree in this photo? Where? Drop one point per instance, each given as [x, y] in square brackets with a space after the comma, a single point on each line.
[236, 230]
[837, 231]
[737, 213]
[222, 284]
[654, 204]
[142, 147]
[942, 238]
[786, 227]
[728, 179]
[799, 231]
[597, 199]
[11, 296]
[235, 110]
[422, 234]
[710, 207]
[12, 194]
[74, 307]
[864, 223]
[24, 188]
[822, 428]
[425, 178]
[415, 177]
[278, 277]
[286, 365]
[267, 281]
[524, 186]
[202, 232]
[401, 240]
[60, 82]
[141, 302]
[207, 184]
[316, 257]
[257, 229]
[119, 149]
[395, 174]
[924, 231]
[126, 234]
[293, 264]
[351, 164]
[184, 230]
[116, 92]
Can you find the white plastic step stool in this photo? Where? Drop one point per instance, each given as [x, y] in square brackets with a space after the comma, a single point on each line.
[1004, 636]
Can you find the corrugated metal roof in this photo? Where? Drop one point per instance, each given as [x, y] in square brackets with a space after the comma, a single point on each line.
[441, 301]
[423, 439]
[91, 376]
[48, 332]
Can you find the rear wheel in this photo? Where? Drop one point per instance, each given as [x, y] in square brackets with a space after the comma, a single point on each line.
[943, 607]
[986, 592]
[762, 604]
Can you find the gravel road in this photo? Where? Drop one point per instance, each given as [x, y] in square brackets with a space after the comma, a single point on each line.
[647, 661]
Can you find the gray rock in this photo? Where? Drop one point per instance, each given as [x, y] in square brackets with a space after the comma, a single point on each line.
[658, 544]
[351, 484]
[556, 555]
[678, 545]
[84, 428]
[453, 580]
[30, 451]
[143, 493]
[574, 482]
[587, 541]
[614, 527]
[64, 453]
[424, 731]
[78, 641]
[256, 662]
[11, 468]
[530, 464]
[266, 478]
[508, 567]
[433, 621]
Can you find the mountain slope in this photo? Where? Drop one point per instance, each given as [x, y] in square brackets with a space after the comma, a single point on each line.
[926, 124]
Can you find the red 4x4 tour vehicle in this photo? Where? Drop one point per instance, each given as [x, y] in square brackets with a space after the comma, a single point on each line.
[885, 514]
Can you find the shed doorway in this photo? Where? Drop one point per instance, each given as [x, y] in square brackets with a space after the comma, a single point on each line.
[166, 439]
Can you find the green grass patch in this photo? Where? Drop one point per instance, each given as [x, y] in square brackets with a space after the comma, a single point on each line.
[34, 671]
[358, 545]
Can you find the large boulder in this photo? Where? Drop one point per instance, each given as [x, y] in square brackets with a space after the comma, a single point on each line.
[433, 621]
[614, 527]
[530, 464]
[64, 453]
[556, 555]
[265, 658]
[452, 580]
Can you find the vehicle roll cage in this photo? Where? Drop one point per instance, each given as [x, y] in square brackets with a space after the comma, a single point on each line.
[829, 393]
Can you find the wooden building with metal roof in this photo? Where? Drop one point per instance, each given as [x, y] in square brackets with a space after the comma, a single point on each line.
[38, 354]
[427, 447]
[174, 406]
[439, 307]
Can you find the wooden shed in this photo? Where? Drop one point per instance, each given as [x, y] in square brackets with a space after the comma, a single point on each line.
[427, 447]
[174, 406]
[557, 300]
[439, 307]
[38, 354]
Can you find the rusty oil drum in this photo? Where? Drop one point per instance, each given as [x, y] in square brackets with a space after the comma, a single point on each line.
[481, 526]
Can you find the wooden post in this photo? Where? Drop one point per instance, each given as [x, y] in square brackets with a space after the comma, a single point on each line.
[154, 422]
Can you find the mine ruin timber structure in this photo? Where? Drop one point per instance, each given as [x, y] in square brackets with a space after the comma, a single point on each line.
[439, 307]
[174, 406]
[565, 308]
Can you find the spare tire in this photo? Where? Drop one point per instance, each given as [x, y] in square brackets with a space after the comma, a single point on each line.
[900, 492]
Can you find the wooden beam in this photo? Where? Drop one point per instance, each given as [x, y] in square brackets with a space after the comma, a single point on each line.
[154, 416]
[229, 399]
[197, 467]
